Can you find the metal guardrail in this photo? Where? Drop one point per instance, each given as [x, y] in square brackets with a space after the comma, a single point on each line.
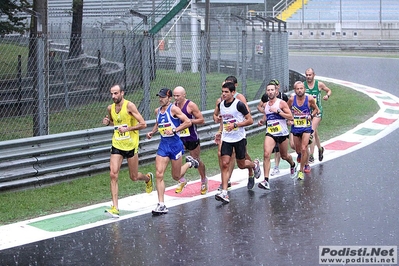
[45, 160]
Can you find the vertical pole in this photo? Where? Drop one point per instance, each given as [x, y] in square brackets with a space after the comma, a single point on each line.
[41, 89]
[124, 66]
[340, 12]
[244, 62]
[19, 106]
[154, 14]
[203, 70]
[253, 50]
[264, 58]
[178, 41]
[238, 52]
[65, 82]
[303, 16]
[381, 19]
[219, 45]
[100, 76]
[194, 39]
[40, 69]
[102, 40]
[266, 52]
[113, 45]
[146, 74]
[123, 41]
[208, 34]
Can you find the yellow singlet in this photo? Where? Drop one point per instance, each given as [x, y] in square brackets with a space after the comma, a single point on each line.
[129, 140]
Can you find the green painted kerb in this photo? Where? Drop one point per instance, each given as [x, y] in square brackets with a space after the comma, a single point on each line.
[384, 97]
[368, 131]
[392, 111]
[68, 221]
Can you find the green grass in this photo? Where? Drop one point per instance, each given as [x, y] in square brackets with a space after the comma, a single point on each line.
[9, 60]
[76, 118]
[190, 81]
[22, 205]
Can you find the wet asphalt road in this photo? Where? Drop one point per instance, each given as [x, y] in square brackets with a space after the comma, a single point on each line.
[351, 200]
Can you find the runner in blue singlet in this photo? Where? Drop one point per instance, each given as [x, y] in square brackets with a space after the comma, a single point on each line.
[303, 108]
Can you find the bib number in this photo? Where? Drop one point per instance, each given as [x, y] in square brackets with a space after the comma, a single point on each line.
[162, 128]
[301, 121]
[226, 125]
[185, 132]
[121, 136]
[274, 128]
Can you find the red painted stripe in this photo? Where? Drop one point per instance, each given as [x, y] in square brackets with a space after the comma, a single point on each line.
[194, 189]
[384, 121]
[390, 104]
[340, 145]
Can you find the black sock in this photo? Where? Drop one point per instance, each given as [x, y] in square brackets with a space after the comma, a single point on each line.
[267, 179]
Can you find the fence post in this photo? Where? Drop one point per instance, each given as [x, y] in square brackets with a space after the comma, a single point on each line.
[40, 119]
[253, 50]
[123, 44]
[65, 83]
[219, 45]
[146, 73]
[124, 66]
[19, 106]
[100, 75]
[113, 46]
[203, 69]
[178, 45]
[238, 51]
[266, 54]
[244, 63]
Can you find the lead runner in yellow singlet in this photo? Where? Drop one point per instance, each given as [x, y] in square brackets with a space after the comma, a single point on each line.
[126, 120]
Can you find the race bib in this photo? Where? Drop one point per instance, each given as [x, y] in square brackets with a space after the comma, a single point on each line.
[315, 98]
[164, 127]
[274, 128]
[185, 132]
[301, 121]
[226, 124]
[121, 136]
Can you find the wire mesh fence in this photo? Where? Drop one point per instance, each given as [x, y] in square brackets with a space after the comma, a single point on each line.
[45, 91]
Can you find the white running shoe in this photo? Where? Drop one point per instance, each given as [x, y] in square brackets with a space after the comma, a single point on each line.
[275, 171]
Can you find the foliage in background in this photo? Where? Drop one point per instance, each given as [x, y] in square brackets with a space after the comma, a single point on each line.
[15, 22]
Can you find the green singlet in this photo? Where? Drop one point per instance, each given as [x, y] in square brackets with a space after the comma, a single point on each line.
[316, 93]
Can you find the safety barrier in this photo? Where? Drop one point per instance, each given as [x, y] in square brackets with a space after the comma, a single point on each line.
[40, 161]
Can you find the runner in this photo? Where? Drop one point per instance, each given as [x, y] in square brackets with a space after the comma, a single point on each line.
[170, 121]
[303, 108]
[276, 113]
[260, 107]
[127, 121]
[314, 88]
[217, 119]
[190, 136]
[235, 116]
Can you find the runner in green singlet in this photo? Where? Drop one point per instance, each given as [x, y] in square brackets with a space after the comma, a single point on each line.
[315, 88]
